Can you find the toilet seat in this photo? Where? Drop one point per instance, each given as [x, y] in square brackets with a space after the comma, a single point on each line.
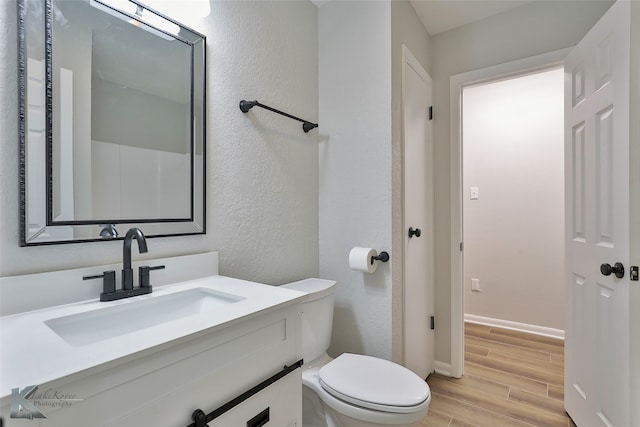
[373, 383]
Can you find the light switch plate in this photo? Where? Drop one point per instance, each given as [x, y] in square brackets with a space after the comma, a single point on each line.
[474, 193]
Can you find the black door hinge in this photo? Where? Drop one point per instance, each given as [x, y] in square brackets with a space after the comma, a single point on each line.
[433, 322]
[431, 112]
[634, 273]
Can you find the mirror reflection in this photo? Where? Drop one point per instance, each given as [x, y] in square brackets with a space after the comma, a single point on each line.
[114, 121]
[129, 135]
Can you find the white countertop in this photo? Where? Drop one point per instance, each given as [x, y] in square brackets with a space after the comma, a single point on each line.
[32, 354]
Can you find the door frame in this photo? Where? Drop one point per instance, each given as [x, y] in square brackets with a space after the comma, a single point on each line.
[457, 83]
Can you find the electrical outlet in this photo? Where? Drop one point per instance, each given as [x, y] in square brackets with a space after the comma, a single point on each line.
[475, 285]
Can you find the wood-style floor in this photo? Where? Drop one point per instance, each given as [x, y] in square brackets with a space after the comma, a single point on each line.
[511, 379]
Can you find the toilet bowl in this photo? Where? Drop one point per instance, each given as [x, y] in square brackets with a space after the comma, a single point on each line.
[352, 390]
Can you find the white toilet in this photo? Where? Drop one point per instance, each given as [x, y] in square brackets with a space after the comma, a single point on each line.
[351, 390]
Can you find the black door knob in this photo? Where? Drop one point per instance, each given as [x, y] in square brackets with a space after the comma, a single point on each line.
[617, 269]
[415, 232]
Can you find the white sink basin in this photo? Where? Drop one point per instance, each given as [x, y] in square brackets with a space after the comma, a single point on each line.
[128, 316]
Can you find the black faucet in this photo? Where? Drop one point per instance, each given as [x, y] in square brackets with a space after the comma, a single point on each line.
[110, 292]
[127, 271]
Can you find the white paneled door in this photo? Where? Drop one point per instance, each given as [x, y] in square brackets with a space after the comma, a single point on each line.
[418, 233]
[597, 356]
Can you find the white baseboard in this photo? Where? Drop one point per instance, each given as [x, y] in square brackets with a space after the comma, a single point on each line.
[442, 368]
[516, 326]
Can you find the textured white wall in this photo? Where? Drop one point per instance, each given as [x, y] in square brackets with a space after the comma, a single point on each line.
[355, 168]
[514, 232]
[532, 29]
[262, 170]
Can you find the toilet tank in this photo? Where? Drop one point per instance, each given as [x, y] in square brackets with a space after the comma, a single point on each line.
[317, 315]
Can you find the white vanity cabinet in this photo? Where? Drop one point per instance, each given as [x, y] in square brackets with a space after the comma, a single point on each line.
[164, 385]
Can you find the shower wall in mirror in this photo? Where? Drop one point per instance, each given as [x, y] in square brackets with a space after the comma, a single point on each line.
[112, 121]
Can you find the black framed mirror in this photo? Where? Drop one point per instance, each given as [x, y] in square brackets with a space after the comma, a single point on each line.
[112, 122]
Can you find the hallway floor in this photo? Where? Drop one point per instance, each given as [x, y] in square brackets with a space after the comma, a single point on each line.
[511, 379]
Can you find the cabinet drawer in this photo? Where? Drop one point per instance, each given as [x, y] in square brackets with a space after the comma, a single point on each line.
[280, 400]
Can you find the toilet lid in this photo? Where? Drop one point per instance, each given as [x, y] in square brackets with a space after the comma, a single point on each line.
[373, 383]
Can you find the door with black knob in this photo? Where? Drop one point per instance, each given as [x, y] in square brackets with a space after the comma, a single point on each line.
[418, 207]
[599, 338]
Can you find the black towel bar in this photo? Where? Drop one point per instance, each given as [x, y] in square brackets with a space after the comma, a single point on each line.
[245, 106]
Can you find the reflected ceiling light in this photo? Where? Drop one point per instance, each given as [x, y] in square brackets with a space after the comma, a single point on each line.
[154, 20]
[142, 16]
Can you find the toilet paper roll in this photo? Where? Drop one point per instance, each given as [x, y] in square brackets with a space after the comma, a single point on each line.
[360, 259]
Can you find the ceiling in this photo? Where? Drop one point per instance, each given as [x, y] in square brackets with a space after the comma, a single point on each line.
[441, 15]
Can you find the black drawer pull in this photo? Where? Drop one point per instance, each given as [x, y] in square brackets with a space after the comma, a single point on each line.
[259, 420]
[201, 421]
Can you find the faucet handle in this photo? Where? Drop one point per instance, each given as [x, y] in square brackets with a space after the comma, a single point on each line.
[109, 282]
[144, 280]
